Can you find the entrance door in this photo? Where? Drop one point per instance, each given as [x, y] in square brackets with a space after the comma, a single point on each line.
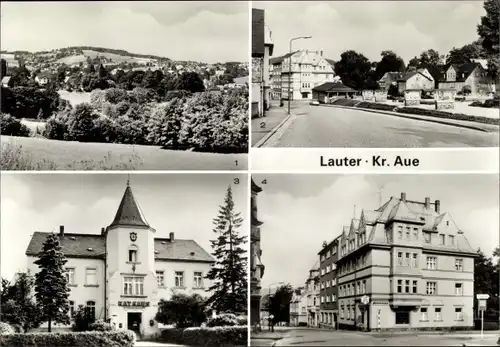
[134, 322]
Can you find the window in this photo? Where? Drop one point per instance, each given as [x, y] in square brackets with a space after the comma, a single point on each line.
[132, 255]
[359, 287]
[90, 307]
[427, 237]
[364, 287]
[160, 279]
[402, 317]
[198, 280]
[407, 259]
[400, 286]
[431, 263]
[415, 233]
[322, 299]
[400, 232]
[70, 275]
[423, 314]
[179, 279]
[441, 239]
[407, 286]
[71, 308]
[400, 258]
[451, 239]
[459, 290]
[407, 233]
[348, 312]
[333, 297]
[342, 312]
[314, 301]
[459, 264]
[91, 276]
[328, 269]
[458, 313]
[437, 313]
[133, 285]
[415, 260]
[431, 288]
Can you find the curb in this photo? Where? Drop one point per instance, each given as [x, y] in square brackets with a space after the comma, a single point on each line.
[272, 132]
[472, 127]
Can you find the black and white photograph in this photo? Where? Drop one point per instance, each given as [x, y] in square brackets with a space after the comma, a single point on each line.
[126, 260]
[133, 85]
[375, 74]
[371, 260]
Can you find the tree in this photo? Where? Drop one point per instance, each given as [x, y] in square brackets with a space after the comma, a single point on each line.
[51, 284]
[165, 123]
[103, 73]
[489, 32]
[279, 303]
[354, 69]
[190, 81]
[465, 53]
[182, 310]
[390, 62]
[229, 273]
[81, 123]
[18, 306]
[82, 319]
[3, 68]
[486, 279]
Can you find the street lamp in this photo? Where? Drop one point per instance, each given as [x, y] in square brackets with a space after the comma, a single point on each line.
[290, 67]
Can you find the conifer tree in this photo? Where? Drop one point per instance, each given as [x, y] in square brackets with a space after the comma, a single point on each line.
[51, 284]
[229, 273]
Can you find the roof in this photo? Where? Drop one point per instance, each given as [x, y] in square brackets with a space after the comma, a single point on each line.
[278, 60]
[409, 74]
[258, 35]
[255, 187]
[463, 71]
[129, 212]
[334, 87]
[330, 61]
[78, 245]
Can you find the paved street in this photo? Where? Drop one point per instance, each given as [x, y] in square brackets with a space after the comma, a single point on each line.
[321, 126]
[315, 337]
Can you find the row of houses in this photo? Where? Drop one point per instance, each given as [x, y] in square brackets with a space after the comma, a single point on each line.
[404, 265]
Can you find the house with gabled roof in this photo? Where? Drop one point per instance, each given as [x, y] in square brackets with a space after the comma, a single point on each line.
[471, 76]
[405, 265]
[121, 273]
[417, 79]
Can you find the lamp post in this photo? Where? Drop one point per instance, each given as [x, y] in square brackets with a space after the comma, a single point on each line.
[290, 67]
[269, 303]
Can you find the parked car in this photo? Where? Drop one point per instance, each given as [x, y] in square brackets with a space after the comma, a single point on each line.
[314, 103]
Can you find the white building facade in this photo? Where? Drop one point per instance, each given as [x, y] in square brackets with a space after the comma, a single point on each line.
[121, 274]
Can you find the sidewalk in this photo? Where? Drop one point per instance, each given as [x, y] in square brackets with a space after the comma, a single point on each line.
[262, 126]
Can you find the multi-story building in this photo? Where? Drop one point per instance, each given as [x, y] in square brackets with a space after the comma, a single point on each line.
[120, 274]
[256, 266]
[471, 77]
[308, 70]
[298, 307]
[328, 284]
[312, 297]
[262, 49]
[413, 264]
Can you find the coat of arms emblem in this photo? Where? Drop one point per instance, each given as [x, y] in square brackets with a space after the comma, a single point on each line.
[133, 236]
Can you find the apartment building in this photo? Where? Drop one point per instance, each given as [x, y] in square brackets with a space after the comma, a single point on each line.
[312, 297]
[298, 307]
[328, 257]
[412, 262]
[308, 69]
[256, 266]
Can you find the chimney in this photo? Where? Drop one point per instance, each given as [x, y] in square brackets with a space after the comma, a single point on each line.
[171, 237]
[103, 231]
[321, 53]
[437, 204]
[61, 230]
[427, 202]
[403, 197]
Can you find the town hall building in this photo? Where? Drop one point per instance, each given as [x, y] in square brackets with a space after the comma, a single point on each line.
[121, 273]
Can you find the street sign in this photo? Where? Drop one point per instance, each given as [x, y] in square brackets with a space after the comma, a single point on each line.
[482, 305]
[482, 296]
[365, 299]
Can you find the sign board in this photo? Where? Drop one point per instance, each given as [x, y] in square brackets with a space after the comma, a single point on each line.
[365, 299]
[133, 303]
[482, 296]
[482, 305]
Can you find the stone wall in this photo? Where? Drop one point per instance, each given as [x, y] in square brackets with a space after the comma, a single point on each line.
[444, 104]
[412, 97]
[380, 96]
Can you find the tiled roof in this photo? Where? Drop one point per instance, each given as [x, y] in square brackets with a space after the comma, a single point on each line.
[330, 61]
[129, 212]
[333, 87]
[78, 245]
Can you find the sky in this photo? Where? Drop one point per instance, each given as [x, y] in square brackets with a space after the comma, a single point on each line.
[369, 27]
[181, 203]
[299, 212]
[205, 31]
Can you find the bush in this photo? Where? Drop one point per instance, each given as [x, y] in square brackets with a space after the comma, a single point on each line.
[104, 130]
[345, 102]
[56, 127]
[81, 123]
[12, 126]
[487, 325]
[447, 115]
[375, 106]
[223, 320]
[73, 339]
[6, 328]
[81, 321]
[242, 320]
[489, 103]
[172, 335]
[182, 310]
[101, 325]
[216, 336]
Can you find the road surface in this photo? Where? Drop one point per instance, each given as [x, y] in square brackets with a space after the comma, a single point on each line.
[313, 337]
[321, 126]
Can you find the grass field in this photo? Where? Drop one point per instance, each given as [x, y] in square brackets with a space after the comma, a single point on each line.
[27, 153]
[74, 98]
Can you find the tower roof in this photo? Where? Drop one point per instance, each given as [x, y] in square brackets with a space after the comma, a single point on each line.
[129, 212]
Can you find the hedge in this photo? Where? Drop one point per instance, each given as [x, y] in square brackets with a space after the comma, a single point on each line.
[447, 115]
[345, 102]
[12, 126]
[375, 106]
[223, 320]
[73, 339]
[215, 336]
